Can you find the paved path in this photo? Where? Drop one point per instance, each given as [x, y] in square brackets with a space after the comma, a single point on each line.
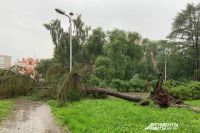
[30, 117]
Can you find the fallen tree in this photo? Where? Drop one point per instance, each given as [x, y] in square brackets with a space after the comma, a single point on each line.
[103, 91]
[13, 84]
[74, 85]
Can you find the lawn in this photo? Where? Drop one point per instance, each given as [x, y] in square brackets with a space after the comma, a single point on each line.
[5, 108]
[193, 102]
[119, 116]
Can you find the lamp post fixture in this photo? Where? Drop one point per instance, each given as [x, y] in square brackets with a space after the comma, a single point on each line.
[70, 30]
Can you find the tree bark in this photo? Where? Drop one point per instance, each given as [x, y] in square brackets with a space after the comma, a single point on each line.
[112, 93]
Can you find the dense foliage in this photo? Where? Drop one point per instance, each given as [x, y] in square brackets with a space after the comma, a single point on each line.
[190, 90]
[186, 29]
[124, 60]
[13, 84]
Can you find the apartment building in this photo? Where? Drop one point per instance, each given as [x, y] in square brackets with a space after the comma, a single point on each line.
[5, 61]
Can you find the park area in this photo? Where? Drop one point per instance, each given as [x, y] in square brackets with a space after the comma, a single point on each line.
[107, 81]
[80, 109]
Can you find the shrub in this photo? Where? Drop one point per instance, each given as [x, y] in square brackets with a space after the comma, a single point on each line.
[102, 61]
[103, 73]
[103, 69]
[191, 90]
[171, 83]
[137, 84]
[120, 85]
[96, 82]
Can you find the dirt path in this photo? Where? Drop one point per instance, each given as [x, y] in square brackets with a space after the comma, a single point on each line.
[30, 117]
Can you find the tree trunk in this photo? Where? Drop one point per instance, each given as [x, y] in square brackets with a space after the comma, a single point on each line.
[158, 95]
[112, 93]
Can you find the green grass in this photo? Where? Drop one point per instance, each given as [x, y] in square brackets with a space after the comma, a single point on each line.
[193, 102]
[119, 116]
[5, 108]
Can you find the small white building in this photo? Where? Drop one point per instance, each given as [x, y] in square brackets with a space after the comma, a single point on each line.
[5, 61]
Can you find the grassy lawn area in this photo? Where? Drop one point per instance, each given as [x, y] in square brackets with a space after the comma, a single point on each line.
[193, 102]
[5, 108]
[119, 116]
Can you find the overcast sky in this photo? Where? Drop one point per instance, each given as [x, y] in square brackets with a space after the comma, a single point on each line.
[22, 33]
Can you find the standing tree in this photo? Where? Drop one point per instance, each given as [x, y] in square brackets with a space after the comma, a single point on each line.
[60, 39]
[186, 29]
[95, 43]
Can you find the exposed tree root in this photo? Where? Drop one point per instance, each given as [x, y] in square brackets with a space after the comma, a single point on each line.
[161, 96]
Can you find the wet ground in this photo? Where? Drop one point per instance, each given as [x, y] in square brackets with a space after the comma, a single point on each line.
[30, 117]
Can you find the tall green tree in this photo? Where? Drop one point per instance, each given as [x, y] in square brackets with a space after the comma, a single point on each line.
[124, 50]
[134, 53]
[116, 49]
[95, 43]
[60, 39]
[186, 28]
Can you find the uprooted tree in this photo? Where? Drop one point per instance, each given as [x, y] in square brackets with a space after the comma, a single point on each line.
[73, 88]
[13, 83]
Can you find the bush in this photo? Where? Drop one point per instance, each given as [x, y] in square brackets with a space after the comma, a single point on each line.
[172, 83]
[102, 61]
[96, 82]
[120, 85]
[103, 73]
[191, 90]
[137, 84]
[103, 69]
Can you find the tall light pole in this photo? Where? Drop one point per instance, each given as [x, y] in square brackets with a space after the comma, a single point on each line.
[70, 34]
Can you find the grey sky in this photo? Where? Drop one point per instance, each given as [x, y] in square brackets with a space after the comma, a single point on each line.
[22, 33]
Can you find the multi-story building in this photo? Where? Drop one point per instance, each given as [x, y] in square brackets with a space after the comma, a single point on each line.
[5, 61]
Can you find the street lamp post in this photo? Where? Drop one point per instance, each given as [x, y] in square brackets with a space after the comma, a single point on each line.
[165, 65]
[70, 30]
